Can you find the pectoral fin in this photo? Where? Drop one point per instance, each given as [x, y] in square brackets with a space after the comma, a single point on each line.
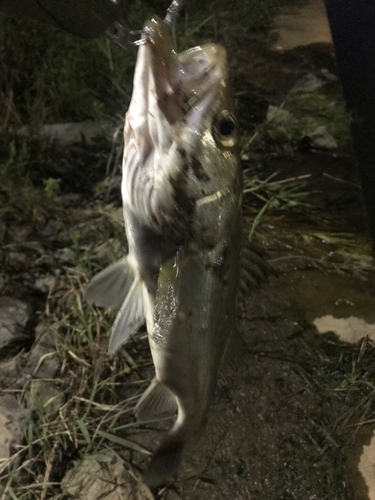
[110, 287]
[130, 317]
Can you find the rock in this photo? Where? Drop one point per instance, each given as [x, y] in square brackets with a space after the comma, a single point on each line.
[44, 394]
[327, 75]
[13, 422]
[3, 230]
[46, 283]
[14, 314]
[52, 228]
[360, 463]
[43, 361]
[319, 139]
[66, 255]
[107, 478]
[45, 260]
[366, 467]
[71, 199]
[17, 260]
[309, 83]
[20, 234]
[104, 252]
[349, 329]
[278, 114]
[68, 133]
[10, 372]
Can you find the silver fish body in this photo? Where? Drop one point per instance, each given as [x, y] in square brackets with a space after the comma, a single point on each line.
[194, 310]
[182, 197]
[194, 319]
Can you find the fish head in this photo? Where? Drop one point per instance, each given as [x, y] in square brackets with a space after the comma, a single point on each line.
[179, 89]
[182, 128]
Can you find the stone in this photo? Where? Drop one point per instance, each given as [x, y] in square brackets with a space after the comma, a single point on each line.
[20, 234]
[52, 228]
[14, 315]
[322, 139]
[104, 252]
[360, 463]
[17, 260]
[327, 75]
[43, 361]
[349, 329]
[309, 83]
[93, 479]
[46, 283]
[71, 199]
[10, 370]
[44, 394]
[278, 114]
[69, 133]
[366, 467]
[66, 255]
[319, 139]
[3, 231]
[13, 422]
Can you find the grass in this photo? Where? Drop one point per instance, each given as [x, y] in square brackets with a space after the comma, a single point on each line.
[51, 76]
[97, 412]
[285, 194]
[324, 106]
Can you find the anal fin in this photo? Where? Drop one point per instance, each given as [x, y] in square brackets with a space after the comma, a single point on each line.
[155, 400]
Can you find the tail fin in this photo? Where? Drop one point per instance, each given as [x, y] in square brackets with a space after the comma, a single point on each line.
[110, 287]
[164, 464]
[130, 317]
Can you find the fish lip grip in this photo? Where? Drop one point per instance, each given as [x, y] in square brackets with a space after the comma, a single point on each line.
[125, 37]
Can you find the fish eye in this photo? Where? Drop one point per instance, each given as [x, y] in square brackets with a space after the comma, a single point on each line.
[225, 129]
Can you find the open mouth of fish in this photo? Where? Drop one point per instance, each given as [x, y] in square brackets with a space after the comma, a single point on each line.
[175, 89]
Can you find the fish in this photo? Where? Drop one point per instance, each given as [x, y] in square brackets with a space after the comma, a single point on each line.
[182, 203]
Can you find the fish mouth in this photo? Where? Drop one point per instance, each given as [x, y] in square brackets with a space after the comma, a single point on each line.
[184, 84]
